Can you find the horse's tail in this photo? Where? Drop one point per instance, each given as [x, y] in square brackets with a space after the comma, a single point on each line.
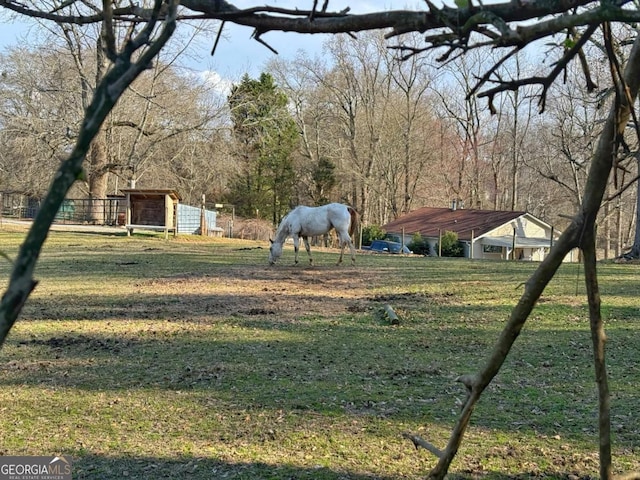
[355, 220]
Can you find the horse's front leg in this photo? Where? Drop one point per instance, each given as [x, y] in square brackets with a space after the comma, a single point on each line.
[296, 247]
[305, 239]
[341, 252]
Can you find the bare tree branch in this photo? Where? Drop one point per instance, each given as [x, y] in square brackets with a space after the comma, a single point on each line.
[464, 29]
[547, 81]
[420, 442]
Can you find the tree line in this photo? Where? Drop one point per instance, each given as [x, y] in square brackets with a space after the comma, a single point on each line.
[354, 125]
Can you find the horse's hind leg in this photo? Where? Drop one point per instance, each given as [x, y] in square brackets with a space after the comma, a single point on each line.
[345, 240]
[342, 244]
[305, 239]
[341, 253]
[353, 252]
[351, 248]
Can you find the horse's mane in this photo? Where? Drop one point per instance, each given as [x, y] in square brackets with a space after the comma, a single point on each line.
[282, 232]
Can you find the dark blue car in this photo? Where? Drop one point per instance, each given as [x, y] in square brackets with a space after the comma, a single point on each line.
[386, 246]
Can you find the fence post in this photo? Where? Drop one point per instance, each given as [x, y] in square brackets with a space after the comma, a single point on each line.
[471, 247]
[203, 218]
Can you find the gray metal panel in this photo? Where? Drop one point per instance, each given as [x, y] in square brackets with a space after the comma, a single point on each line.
[189, 219]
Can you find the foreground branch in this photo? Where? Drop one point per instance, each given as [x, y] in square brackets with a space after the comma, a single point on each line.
[579, 234]
[598, 338]
[454, 30]
[477, 383]
[420, 442]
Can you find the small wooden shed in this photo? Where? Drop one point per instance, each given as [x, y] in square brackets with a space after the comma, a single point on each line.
[152, 209]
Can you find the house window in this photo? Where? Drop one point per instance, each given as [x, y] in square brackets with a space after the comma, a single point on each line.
[491, 249]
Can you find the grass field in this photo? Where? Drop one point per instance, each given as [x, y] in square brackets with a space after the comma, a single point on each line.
[192, 358]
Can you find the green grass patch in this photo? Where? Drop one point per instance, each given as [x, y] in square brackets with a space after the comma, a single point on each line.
[192, 358]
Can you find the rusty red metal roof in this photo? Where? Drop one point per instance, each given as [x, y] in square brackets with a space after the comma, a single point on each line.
[429, 222]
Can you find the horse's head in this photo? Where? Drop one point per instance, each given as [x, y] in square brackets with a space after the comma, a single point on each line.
[275, 251]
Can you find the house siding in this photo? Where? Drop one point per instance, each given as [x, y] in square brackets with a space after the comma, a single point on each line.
[525, 227]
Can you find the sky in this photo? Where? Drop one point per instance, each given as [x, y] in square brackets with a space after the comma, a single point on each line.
[237, 53]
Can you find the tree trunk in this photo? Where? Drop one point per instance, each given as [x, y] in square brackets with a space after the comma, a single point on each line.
[514, 152]
[98, 178]
[98, 158]
[476, 383]
[606, 235]
[598, 339]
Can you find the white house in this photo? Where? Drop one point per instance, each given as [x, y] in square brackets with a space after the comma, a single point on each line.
[484, 233]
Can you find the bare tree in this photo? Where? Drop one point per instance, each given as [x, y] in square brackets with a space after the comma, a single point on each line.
[146, 43]
[90, 70]
[38, 110]
[517, 110]
[195, 164]
[466, 116]
[316, 169]
[511, 25]
[412, 125]
[634, 252]
[367, 94]
[574, 123]
[42, 108]
[160, 112]
[359, 85]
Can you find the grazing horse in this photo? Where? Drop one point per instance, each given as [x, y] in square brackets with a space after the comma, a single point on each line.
[307, 222]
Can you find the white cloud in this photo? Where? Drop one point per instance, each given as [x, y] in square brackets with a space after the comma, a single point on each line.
[215, 81]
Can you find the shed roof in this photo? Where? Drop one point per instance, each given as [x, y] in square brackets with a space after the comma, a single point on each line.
[153, 192]
[429, 222]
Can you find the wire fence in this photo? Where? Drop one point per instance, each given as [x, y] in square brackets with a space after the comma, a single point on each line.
[103, 211]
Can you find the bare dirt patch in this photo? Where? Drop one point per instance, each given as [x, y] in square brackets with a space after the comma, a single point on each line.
[288, 292]
[61, 343]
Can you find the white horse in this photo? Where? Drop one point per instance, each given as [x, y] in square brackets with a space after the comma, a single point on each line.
[307, 222]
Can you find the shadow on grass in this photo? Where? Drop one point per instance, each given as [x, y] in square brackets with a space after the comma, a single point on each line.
[100, 468]
[93, 467]
[382, 373]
